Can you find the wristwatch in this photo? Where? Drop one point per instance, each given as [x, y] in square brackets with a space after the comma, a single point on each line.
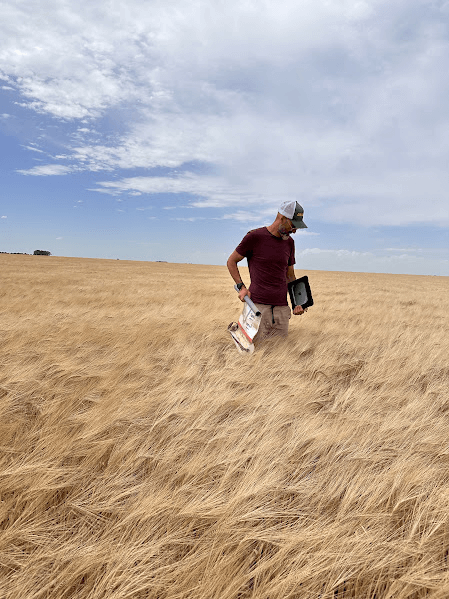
[240, 285]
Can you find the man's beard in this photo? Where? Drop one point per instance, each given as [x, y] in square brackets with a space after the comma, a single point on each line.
[283, 233]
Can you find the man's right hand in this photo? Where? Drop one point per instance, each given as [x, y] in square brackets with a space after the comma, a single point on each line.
[243, 291]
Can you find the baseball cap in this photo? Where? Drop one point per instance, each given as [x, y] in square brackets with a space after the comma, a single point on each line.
[294, 212]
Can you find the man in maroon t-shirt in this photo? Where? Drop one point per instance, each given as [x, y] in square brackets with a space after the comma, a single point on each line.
[270, 252]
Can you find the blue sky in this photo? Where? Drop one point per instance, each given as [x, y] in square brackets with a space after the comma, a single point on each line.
[153, 130]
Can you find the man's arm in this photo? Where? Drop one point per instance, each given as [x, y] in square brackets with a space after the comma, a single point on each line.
[291, 277]
[291, 274]
[233, 259]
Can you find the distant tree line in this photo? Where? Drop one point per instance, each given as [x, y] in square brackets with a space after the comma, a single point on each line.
[36, 253]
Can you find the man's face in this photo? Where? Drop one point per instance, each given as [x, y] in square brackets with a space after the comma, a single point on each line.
[286, 228]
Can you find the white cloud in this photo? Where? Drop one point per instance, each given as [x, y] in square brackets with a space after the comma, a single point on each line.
[342, 105]
[105, 191]
[46, 170]
[243, 216]
[190, 219]
[403, 250]
[375, 261]
[210, 191]
[338, 253]
[4, 217]
[33, 149]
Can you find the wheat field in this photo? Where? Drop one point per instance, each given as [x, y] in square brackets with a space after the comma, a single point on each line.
[143, 457]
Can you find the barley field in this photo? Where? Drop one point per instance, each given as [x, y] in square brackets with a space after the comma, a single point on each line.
[143, 457]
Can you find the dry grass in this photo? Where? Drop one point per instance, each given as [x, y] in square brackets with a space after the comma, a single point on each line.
[143, 457]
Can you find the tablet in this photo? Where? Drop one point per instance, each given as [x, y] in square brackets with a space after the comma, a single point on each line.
[300, 294]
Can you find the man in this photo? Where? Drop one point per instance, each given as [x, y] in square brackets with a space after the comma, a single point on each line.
[270, 252]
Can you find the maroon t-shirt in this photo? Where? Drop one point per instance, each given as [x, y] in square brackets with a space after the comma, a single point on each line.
[268, 258]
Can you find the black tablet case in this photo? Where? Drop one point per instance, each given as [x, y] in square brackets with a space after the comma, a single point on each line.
[300, 294]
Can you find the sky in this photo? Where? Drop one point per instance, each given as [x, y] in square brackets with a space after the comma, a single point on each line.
[165, 130]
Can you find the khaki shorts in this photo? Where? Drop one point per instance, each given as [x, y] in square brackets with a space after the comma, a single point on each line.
[274, 321]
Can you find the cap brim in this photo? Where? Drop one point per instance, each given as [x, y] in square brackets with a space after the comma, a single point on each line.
[299, 224]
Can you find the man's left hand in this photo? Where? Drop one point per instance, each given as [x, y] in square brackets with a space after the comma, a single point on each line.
[299, 310]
